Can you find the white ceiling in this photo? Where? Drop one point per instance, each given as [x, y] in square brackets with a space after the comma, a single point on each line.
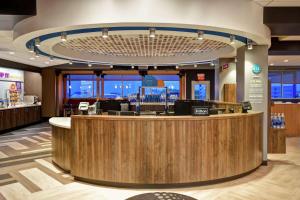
[278, 3]
[280, 60]
[6, 47]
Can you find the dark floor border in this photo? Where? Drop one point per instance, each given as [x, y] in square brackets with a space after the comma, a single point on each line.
[165, 186]
[20, 127]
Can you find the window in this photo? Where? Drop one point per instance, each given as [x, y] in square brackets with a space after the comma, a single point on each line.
[81, 86]
[285, 85]
[118, 86]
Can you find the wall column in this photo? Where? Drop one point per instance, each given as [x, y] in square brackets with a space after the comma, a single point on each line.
[252, 84]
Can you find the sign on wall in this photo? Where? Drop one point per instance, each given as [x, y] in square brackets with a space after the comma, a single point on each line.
[7, 74]
[256, 69]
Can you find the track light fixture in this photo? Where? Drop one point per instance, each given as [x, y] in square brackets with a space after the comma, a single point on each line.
[51, 59]
[200, 35]
[105, 32]
[232, 39]
[37, 55]
[235, 59]
[177, 67]
[212, 63]
[89, 64]
[70, 62]
[249, 44]
[195, 65]
[152, 32]
[31, 49]
[63, 36]
[37, 42]
[111, 66]
[155, 67]
[132, 66]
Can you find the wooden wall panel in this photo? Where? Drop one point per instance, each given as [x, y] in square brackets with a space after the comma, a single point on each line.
[165, 150]
[276, 141]
[292, 113]
[230, 93]
[48, 92]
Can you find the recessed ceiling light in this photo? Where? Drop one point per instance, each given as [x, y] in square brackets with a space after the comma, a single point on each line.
[271, 64]
[132, 66]
[111, 66]
[155, 67]
[152, 33]
[105, 33]
[235, 59]
[212, 63]
[12, 53]
[90, 64]
[70, 62]
[37, 55]
[177, 67]
[32, 58]
[51, 59]
[286, 60]
[195, 65]
[31, 49]
[47, 62]
[200, 35]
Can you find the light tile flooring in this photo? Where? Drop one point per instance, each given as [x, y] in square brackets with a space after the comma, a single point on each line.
[26, 173]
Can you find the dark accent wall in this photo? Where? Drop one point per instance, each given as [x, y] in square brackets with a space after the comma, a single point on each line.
[191, 75]
[18, 7]
[15, 65]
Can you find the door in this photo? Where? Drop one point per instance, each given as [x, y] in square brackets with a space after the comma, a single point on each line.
[200, 90]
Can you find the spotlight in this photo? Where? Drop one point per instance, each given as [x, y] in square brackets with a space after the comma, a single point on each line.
[286, 61]
[70, 62]
[11, 53]
[132, 66]
[200, 35]
[177, 67]
[195, 65]
[63, 36]
[235, 59]
[51, 59]
[232, 39]
[37, 55]
[105, 33]
[47, 62]
[31, 49]
[90, 64]
[249, 44]
[152, 33]
[111, 66]
[212, 63]
[32, 58]
[271, 64]
[37, 42]
[155, 67]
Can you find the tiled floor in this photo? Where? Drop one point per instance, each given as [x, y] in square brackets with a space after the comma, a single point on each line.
[26, 172]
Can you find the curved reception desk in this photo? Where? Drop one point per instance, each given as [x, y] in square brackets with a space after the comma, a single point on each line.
[159, 150]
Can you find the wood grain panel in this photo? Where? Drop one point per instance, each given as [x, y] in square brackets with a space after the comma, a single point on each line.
[230, 93]
[61, 147]
[276, 141]
[291, 112]
[48, 92]
[165, 150]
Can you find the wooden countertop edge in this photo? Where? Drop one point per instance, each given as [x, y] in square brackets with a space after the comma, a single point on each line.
[211, 117]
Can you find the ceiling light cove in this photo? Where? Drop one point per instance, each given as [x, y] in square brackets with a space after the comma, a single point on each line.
[140, 45]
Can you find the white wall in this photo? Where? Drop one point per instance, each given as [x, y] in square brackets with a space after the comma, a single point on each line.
[227, 76]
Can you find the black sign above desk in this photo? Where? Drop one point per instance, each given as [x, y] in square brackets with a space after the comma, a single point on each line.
[200, 111]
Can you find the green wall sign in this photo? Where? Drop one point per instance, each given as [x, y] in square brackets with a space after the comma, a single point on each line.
[256, 69]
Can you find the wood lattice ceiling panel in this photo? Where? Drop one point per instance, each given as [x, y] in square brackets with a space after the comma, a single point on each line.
[141, 45]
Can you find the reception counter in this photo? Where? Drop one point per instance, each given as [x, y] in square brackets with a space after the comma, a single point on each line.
[158, 150]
